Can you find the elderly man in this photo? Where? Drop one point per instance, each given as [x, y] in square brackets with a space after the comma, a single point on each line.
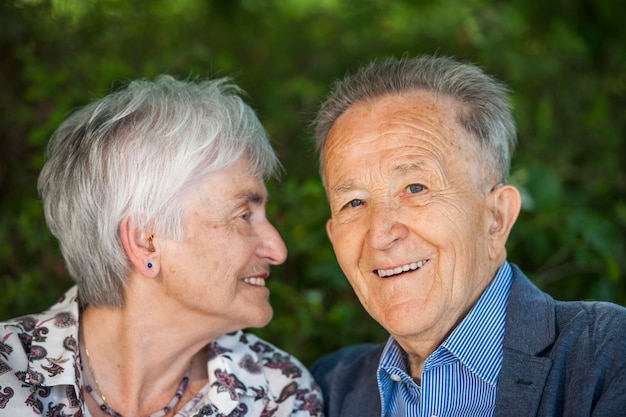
[415, 155]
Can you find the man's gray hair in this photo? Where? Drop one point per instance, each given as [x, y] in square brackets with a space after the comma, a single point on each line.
[484, 109]
[130, 155]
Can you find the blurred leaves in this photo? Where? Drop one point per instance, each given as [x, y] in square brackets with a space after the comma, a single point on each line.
[565, 63]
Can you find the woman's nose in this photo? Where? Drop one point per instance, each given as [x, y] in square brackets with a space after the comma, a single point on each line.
[272, 247]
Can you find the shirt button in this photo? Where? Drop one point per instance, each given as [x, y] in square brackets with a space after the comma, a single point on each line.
[395, 377]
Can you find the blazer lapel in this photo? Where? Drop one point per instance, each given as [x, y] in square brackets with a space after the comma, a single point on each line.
[530, 329]
[520, 387]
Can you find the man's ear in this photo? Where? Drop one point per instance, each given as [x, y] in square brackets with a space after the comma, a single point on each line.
[140, 249]
[504, 203]
[329, 229]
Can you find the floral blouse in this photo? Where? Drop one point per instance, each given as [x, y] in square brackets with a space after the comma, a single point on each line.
[40, 372]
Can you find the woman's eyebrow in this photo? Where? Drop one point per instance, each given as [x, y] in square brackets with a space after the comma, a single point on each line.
[249, 196]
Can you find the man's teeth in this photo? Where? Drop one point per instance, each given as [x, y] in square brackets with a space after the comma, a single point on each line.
[395, 271]
[255, 281]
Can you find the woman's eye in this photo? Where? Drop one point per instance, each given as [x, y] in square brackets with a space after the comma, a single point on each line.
[245, 216]
[415, 188]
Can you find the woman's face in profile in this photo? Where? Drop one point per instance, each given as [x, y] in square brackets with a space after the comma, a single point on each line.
[219, 271]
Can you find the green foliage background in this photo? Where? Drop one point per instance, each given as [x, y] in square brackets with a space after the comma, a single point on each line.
[564, 60]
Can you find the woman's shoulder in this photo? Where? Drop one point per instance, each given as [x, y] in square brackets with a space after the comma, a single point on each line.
[37, 360]
[260, 366]
[256, 352]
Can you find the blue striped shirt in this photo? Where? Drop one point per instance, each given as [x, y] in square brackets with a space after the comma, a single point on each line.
[460, 377]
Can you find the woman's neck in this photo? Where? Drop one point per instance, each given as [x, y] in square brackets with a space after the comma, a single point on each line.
[139, 355]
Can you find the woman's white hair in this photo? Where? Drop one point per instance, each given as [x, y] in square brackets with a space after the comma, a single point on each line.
[130, 155]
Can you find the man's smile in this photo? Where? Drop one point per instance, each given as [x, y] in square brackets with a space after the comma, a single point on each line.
[385, 273]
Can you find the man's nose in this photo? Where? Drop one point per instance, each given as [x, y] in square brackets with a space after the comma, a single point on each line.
[385, 227]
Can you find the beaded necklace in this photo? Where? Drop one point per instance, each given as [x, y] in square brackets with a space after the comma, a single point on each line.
[101, 401]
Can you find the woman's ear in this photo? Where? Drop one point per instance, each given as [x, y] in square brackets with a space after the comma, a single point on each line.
[504, 203]
[140, 249]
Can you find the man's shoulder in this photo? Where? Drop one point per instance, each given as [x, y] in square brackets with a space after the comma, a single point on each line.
[348, 380]
[573, 351]
[599, 313]
[342, 369]
[597, 323]
[537, 321]
[358, 357]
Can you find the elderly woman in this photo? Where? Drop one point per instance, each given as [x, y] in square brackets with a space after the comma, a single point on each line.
[156, 194]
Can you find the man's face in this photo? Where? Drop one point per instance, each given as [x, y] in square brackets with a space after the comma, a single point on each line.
[409, 213]
[219, 270]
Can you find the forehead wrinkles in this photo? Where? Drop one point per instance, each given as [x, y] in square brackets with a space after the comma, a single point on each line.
[394, 128]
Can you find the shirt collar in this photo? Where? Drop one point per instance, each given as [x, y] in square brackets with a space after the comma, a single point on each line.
[476, 341]
[393, 361]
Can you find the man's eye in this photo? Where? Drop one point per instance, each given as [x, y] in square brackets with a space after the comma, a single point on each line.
[354, 203]
[415, 188]
[245, 216]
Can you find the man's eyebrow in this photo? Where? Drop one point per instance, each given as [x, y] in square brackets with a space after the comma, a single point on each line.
[441, 174]
[410, 167]
[343, 187]
[398, 169]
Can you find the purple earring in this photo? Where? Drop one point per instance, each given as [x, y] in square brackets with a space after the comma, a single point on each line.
[149, 264]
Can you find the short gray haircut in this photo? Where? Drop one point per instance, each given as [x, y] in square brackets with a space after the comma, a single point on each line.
[485, 111]
[130, 155]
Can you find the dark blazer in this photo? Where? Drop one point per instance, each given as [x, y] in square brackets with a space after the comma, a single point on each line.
[560, 359]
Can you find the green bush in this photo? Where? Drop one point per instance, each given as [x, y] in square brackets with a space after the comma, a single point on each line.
[566, 67]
